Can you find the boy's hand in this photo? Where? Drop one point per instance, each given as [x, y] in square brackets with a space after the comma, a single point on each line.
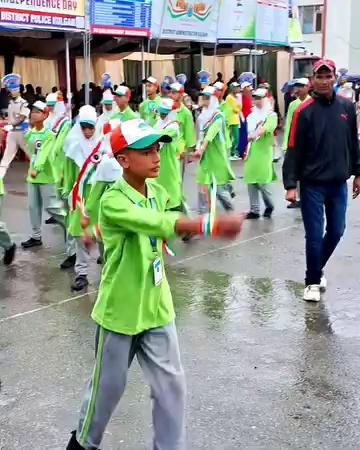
[84, 222]
[291, 195]
[87, 241]
[228, 226]
[34, 173]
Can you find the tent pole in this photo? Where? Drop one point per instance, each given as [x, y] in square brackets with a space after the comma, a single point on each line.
[251, 68]
[68, 79]
[201, 56]
[143, 72]
[255, 65]
[214, 58]
[87, 66]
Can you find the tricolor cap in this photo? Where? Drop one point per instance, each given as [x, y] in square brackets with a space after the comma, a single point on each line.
[166, 106]
[204, 76]
[123, 91]
[51, 99]
[181, 78]
[12, 82]
[40, 106]
[177, 87]
[327, 63]
[107, 97]
[208, 91]
[245, 84]
[260, 93]
[167, 81]
[136, 135]
[301, 82]
[219, 86]
[87, 115]
[234, 85]
[151, 80]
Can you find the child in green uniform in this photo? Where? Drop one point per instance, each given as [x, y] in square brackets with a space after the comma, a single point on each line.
[79, 144]
[212, 153]
[134, 310]
[39, 143]
[149, 106]
[233, 109]
[108, 108]
[170, 177]
[5, 240]
[187, 139]
[224, 109]
[122, 97]
[258, 167]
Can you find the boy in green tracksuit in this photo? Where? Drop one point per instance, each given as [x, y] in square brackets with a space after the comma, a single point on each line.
[79, 144]
[5, 240]
[187, 139]
[149, 106]
[258, 166]
[134, 310]
[212, 153]
[170, 177]
[39, 143]
[122, 97]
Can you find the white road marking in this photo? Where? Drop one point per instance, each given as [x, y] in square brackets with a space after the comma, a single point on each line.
[190, 258]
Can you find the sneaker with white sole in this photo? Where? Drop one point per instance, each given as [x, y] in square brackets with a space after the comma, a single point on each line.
[323, 284]
[312, 293]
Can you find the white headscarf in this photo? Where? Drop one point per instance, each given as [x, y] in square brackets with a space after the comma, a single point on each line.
[207, 112]
[258, 116]
[77, 147]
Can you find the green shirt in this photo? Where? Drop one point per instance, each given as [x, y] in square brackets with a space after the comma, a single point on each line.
[2, 190]
[215, 159]
[187, 128]
[258, 167]
[148, 110]
[127, 114]
[292, 108]
[58, 151]
[39, 146]
[128, 300]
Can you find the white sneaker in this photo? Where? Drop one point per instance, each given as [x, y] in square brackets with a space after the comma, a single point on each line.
[323, 284]
[312, 293]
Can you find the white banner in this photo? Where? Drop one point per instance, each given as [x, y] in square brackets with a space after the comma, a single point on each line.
[237, 20]
[185, 20]
[272, 22]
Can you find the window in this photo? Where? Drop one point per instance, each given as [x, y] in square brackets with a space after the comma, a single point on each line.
[311, 18]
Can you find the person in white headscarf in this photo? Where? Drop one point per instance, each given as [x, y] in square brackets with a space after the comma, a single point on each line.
[212, 153]
[108, 110]
[258, 166]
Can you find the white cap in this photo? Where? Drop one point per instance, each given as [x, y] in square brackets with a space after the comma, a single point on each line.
[260, 93]
[208, 91]
[302, 81]
[41, 106]
[51, 99]
[177, 87]
[151, 80]
[87, 114]
[107, 97]
[245, 84]
[234, 84]
[166, 106]
[123, 91]
[219, 85]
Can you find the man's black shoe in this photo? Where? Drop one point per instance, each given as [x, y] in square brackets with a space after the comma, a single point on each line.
[80, 283]
[268, 213]
[50, 221]
[100, 261]
[295, 205]
[31, 243]
[9, 255]
[73, 443]
[252, 216]
[68, 263]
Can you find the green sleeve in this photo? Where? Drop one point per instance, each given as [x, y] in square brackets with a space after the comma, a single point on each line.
[70, 174]
[288, 121]
[27, 143]
[271, 123]
[129, 217]
[45, 152]
[189, 130]
[172, 132]
[92, 202]
[213, 130]
[142, 111]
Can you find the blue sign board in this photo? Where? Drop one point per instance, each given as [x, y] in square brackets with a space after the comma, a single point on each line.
[121, 17]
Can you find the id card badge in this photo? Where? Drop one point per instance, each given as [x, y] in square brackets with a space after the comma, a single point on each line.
[157, 268]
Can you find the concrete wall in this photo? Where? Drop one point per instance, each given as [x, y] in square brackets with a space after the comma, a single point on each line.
[354, 46]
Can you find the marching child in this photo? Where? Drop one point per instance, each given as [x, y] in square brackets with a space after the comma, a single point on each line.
[149, 106]
[134, 310]
[108, 110]
[211, 150]
[5, 240]
[122, 98]
[79, 144]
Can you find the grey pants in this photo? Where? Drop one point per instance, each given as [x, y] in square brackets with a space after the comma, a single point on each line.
[223, 194]
[40, 197]
[254, 190]
[82, 258]
[157, 351]
[70, 245]
[5, 239]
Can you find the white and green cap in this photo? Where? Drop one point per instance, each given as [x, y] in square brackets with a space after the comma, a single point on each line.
[87, 115]
[123, 91]
[208, 91]
[107, 97]
[136, 135]
[51, 99]
[166, 106]
[40, 106]
[260, 93]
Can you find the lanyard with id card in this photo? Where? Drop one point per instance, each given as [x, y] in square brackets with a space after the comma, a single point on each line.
[157, 264]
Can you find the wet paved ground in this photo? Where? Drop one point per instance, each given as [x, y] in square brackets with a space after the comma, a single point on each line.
[264, 370]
